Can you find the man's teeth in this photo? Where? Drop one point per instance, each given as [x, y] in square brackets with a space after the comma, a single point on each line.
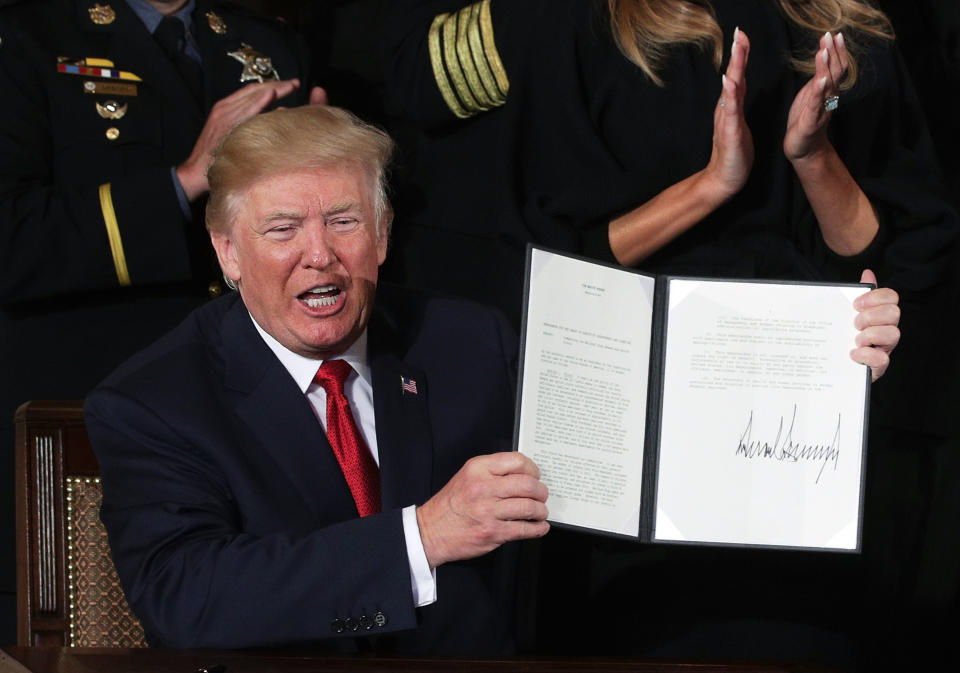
[321, 301]
[326, 296]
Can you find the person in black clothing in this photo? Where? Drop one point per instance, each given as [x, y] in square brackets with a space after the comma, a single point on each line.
[105, 133]
[533, 125]
[581, 137]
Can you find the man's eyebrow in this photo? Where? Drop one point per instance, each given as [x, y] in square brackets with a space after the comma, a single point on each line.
[283, 215]
[342, 207]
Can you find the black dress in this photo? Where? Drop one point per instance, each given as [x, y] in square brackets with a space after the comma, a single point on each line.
[583, 136]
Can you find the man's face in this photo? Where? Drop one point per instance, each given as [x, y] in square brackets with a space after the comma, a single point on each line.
[304, 252]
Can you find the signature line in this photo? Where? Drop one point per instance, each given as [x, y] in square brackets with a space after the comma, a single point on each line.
[784, 448]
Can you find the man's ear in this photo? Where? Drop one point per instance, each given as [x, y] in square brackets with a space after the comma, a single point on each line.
[383, 235]
[226, 255]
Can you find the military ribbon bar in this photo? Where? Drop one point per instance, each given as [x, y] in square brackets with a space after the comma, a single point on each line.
[107, 73]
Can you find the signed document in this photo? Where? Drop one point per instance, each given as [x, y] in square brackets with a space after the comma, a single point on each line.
[692, 410]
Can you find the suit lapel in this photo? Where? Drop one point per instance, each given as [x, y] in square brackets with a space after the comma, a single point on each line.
[404, 439]
[281, 419]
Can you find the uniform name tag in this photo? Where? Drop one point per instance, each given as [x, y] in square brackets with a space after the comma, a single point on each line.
[111, 88]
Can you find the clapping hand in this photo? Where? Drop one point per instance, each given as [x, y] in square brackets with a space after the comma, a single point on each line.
[732, 156]
[811, 109]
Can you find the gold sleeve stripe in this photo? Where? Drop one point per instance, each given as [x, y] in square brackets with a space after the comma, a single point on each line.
[466, 61]
[453, 66]
[466, 65]
[480, 60]
[490, 48]
[439, 71]
[113, 234]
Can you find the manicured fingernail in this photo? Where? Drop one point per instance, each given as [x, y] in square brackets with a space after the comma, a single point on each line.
[840, 42]
[823, 83]
[736, 34]
[826, 56]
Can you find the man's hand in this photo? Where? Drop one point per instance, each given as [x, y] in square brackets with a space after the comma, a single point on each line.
[318, 96]
[493, 499]
[225, 114]
[877, 319]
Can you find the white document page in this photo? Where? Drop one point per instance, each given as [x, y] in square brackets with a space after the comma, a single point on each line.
[584, 389]
[763, 411]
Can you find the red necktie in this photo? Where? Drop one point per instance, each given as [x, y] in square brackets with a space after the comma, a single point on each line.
[356, 461]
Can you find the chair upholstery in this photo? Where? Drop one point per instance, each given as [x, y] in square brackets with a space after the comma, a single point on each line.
[68, 592]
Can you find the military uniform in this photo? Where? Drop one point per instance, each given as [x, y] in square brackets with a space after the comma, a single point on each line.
[97, 254]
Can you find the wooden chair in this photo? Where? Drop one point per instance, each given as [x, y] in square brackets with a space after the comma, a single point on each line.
[68, 593]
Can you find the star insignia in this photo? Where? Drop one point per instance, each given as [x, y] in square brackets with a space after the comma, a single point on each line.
[256, 66]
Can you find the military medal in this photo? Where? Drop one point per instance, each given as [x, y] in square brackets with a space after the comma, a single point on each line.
[102, 15]
[111, 109]
[93, 67]
[256, 66]
[107, 73]
[216, 24]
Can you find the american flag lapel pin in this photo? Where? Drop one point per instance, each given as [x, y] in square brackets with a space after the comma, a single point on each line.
[408, 385]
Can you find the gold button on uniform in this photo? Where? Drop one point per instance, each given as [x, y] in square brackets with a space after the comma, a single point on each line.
[214, 289]
[113, 133]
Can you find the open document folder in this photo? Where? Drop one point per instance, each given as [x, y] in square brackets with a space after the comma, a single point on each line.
[693, 410]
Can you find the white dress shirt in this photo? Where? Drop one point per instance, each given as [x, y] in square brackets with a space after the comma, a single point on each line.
[358, 389]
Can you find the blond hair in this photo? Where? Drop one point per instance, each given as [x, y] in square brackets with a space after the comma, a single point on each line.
[645, 29]
[301, 138]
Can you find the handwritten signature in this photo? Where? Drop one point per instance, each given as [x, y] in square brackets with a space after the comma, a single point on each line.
[785, 448]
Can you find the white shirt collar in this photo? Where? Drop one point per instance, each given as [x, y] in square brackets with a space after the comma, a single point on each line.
[303, 369]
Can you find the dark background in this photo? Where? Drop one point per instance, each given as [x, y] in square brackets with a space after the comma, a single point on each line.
[344, 36]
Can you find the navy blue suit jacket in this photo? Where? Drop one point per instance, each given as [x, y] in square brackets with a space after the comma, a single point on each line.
[228, 516]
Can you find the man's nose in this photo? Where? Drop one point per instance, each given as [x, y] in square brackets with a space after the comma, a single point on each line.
[317, 252]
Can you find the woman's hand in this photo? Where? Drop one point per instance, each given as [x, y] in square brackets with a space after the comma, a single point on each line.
[637, 234]
[877, 319]
[846, 217]
[811, 109]
[732, 155]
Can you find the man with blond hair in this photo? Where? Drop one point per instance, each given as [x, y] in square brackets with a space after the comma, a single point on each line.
[314, 460]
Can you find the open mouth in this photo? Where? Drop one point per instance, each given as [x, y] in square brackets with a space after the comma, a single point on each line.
[322, 295]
